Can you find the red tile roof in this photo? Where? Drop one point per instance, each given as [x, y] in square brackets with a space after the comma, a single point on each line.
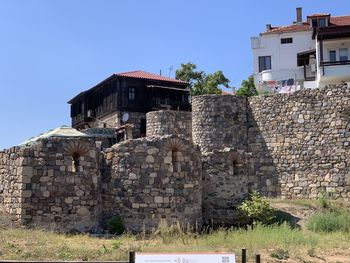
[335, 21]
[340, 20]
[139, 74]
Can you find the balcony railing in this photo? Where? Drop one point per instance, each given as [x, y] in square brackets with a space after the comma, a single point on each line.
[336, 63]
[169, 104]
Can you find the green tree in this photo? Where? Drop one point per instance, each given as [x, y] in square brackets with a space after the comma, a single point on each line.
[200, 82]
[247, 88]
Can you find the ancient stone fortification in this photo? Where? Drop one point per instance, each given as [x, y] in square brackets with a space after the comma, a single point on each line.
[300, 143]
[42, 185]
[292, 146]
[150, 179]
[167, 122]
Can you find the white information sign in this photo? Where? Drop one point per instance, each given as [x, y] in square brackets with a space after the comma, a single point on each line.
[185, 258]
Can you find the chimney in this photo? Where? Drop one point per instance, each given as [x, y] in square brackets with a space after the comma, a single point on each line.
[299, 15]
[268, 27]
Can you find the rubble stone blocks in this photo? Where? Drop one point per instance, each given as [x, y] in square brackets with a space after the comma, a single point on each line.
[40, 192]
[303, 141]
[290, 146]
[143, 187]
[167, 122]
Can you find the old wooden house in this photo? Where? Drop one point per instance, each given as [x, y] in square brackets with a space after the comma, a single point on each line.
[125, 98]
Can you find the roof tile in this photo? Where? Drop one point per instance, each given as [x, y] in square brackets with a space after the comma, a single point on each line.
[140, 74]
[335, 21]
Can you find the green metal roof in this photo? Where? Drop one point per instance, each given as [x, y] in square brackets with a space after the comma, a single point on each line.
[60, 132]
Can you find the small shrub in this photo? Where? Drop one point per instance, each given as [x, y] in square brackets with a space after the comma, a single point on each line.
[280, 254]
[323, 200]
[115, 226]
[170, 233]
[312, 252]
[258, 209]
[329, 222]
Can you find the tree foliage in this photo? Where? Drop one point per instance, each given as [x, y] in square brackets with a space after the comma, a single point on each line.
[247, 88]
[200, 82]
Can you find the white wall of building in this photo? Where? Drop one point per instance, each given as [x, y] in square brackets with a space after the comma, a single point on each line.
[283, 56]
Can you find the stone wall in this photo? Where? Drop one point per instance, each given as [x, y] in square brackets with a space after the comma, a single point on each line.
[225, 181]
[146, 180]
[300, 143]
[289, 145]
[219, 121]
[11, 186]
[55, 191]
[166, 122]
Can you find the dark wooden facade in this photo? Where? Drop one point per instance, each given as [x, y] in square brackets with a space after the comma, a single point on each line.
[127, 94]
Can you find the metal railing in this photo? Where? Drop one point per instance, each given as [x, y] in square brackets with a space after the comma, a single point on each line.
[336, 63]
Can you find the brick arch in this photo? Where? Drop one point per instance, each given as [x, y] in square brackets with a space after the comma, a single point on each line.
[75, 148]
[175, 145]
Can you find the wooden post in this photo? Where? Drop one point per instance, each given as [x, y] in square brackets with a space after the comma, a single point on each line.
[132, 257]
[244, 255]
[257, 259]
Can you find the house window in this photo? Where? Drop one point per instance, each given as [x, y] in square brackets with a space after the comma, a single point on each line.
[343, 54]
[332, 56]
[287, 40]
[322, 22]
[264, 63]
[131, 93]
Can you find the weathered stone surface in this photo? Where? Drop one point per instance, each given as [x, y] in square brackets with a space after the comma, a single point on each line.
[41, 183]
[302, 137]
[168, 183]
[167, 122]
[292, 146]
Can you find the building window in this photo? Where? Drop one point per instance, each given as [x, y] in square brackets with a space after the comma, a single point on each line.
[131, 93]
[287, 40]
[264, 63]
[343, 54]
[319, 22]
[332, 56]
[322, 22]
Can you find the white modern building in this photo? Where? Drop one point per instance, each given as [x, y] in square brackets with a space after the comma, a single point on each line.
[305, 54]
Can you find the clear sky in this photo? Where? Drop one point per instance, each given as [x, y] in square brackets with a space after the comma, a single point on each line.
[52, 50]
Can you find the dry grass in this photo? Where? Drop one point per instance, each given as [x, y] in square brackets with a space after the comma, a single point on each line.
[299, 245]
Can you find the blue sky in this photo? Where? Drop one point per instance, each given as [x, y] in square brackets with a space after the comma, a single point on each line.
[52, 50]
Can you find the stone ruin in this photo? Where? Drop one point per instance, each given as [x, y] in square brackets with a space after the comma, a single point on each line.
[193, 167]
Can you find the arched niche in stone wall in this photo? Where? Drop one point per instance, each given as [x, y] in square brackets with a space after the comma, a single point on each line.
[175, 146]
[76, 150]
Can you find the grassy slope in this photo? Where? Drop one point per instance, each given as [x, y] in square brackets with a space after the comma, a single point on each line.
[302, 245]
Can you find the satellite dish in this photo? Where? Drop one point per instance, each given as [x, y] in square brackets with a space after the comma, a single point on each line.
[125, 117]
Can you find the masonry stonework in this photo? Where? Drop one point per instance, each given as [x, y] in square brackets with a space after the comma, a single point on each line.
[300, 143]
[219, 121]
[167, 122]
[153, 179]
[11, 185]
[291, 146]
[46, 190]
[225, 181]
